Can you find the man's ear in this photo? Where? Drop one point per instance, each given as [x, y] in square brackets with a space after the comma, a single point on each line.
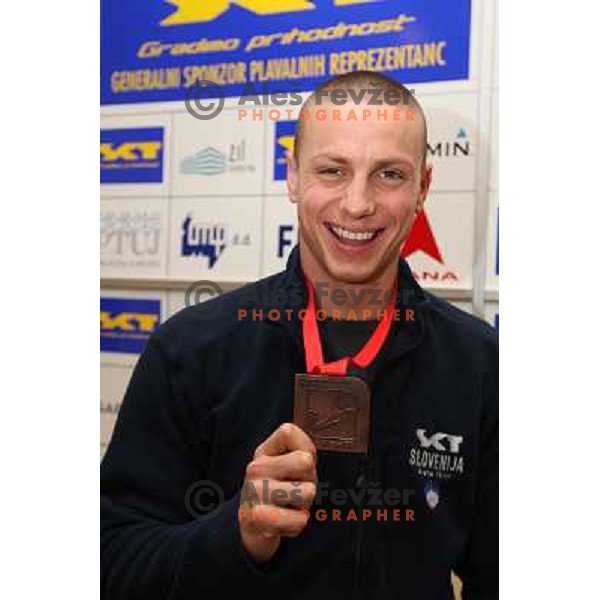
[425, 183]
[292, 176]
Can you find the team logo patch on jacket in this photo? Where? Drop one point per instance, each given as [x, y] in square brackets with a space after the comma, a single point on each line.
[437, 455]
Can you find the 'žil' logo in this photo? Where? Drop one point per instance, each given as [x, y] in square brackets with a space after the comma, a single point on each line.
[131, 155]
[201, 11]
[233, 158]
[126, 324]
[284, 141]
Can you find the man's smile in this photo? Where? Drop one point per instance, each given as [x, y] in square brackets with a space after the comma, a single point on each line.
[360, 236]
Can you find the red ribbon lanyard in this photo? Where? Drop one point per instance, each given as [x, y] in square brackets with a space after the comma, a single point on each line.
[312, 341]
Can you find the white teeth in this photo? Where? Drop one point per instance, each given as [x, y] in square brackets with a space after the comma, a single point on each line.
[350, 235]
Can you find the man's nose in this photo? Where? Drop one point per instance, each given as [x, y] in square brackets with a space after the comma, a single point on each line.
[357, 198]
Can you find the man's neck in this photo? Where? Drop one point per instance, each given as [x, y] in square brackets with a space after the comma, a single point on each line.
[350, 301]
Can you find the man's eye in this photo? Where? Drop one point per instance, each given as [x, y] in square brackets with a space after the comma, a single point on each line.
[330, 171]
[392, 175]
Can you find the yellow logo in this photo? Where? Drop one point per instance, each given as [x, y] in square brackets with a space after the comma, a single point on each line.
[127, 321]
[200, 11]
[130, 151]
[287, 141]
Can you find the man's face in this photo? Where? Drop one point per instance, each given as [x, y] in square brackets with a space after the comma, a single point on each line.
[359, 185]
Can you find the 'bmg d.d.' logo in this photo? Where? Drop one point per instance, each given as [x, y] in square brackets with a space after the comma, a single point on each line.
[203, 239]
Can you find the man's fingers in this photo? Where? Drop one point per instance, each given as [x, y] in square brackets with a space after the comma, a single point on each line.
[286, 438]
[272, 521]
[283, 474]
[298, 465]
[299, 494]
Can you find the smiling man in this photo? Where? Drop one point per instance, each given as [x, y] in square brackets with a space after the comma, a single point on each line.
[339, 453]
[358, 184]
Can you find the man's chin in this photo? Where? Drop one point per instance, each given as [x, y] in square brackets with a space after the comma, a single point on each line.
[351, 275]
[364, 272]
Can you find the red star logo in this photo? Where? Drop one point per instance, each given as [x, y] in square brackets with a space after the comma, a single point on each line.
[421, 238]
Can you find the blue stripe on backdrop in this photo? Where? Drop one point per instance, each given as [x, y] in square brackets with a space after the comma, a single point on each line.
[155, 50]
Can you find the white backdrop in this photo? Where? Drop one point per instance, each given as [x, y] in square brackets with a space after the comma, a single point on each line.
[142, 223]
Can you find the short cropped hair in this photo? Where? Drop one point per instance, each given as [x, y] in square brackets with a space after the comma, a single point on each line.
[361, 80]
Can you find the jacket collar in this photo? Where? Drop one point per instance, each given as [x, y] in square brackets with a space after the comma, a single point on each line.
[290, 292]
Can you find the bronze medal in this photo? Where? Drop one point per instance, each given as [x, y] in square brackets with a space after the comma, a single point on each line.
[334, 411]
[329, 405]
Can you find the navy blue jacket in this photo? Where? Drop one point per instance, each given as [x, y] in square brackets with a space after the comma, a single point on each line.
[210, 387]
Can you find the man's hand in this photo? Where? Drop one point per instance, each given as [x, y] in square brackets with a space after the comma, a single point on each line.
[286, 461]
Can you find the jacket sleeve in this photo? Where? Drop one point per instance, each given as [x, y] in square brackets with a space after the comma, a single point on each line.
[152, 545]
[478, 567]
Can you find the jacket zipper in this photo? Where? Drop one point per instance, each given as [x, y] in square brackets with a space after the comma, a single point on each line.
[360, 486]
